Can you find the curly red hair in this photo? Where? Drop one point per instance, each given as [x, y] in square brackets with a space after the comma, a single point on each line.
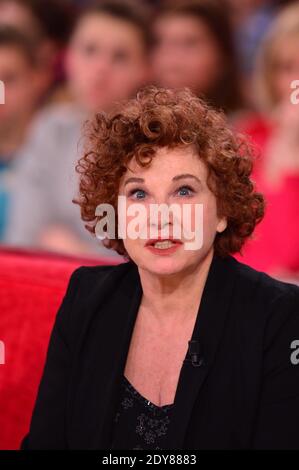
[160, 117]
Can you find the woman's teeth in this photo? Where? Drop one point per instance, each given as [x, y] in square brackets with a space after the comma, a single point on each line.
[163, 245]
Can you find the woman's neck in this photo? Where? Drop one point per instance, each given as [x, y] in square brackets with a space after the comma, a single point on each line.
[176, 296]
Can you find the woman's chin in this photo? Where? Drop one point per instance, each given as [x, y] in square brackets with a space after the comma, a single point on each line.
[164, 265]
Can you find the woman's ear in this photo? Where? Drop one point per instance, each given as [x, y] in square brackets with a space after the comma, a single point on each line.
[222, 224]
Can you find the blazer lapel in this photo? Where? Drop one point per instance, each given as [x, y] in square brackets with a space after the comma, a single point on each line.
[208, 329]
[100, 360]
[124, 308]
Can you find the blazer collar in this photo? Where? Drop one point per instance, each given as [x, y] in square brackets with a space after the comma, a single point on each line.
[119, 315]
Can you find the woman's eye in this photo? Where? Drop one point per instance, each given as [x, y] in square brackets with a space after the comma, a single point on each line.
[137, 193]
[120, 57]
[90, 50]
[141, 194]
[185, 191]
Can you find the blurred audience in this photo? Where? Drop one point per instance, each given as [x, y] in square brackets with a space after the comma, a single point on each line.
[49, 23]
[275, 130]
[194, 47]
[242, 56]
[106, 61]
[22, 76]
[20, 72]
[32, 37]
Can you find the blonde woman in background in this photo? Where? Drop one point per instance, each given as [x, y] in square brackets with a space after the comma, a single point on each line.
[275, 130]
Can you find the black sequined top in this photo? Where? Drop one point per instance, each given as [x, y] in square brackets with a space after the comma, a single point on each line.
[139, 423]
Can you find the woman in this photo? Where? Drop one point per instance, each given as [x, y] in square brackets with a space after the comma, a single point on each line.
[194, 47]
[176, 348]
[275, 131]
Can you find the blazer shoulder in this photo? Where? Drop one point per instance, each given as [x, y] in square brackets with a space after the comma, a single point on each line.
[88, 286]
[87, 273]
[88, 279]
[268, 304]
[267, 286]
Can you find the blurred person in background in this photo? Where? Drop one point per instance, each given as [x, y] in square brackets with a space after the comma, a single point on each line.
[275, 132]
[106, 61]
[49, 23]
[251, 19]
[22, 78]
[193, 47]
[33, 35]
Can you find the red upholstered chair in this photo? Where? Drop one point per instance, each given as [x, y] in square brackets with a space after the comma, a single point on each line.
[32, 285]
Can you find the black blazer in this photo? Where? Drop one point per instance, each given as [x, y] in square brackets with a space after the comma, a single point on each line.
[244, 396]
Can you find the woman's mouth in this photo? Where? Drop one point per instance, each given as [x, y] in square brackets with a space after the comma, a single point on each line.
[163, 247]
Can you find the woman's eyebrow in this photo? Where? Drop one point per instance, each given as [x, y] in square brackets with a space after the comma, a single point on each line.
[184, 176]
[134, 179]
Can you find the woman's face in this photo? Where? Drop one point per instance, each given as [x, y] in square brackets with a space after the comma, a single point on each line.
[175, 176]
[186, 54]
[106, 61]
[21, 85]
